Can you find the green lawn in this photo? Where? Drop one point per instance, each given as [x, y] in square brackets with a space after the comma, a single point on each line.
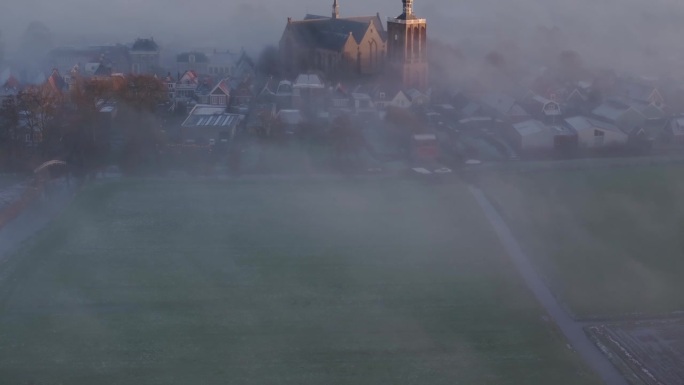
[610, 241]
[374, 282]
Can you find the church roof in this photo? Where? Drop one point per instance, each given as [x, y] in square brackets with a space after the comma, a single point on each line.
[332, 34]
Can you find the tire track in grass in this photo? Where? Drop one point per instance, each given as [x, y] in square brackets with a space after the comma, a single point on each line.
[571, 329]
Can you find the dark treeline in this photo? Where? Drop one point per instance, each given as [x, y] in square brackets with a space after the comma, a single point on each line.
[77, 123]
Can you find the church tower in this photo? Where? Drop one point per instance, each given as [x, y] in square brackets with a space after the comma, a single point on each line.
[407, 48]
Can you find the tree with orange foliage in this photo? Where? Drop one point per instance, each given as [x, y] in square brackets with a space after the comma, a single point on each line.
[138, 99]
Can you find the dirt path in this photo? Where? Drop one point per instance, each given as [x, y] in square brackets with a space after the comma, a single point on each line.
[572, 329]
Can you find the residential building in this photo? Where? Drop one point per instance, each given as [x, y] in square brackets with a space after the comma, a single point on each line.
[308, 93]
[9, 85]
[504, 107]
[222, 63]
[221, 93]
[363, 105]
[400, 100]
[676, 129]
[534, 135]
[417, 98]
[640, 92]
[624, 116]
[542, 108]
[593, 133]
[192, 61]
[208, 124]
[186, 86]
[144, 54]
[242, 92]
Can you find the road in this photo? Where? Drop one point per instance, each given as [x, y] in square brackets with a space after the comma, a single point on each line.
[572, 329]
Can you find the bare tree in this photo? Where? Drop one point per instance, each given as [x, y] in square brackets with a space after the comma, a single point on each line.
[39, 108]
[9, 125]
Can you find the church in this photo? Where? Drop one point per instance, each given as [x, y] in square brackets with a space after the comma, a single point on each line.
[358, 46]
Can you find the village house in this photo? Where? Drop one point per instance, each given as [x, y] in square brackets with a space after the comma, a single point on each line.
[9, 85]
[676, 129]
[578, 100]
[641, 93]
[534, 135]
[220, 94]
[210, 124]
[308, 93]
[242, 91]
[184, 88]
[377, 93]
[339, 98]
[620, 114]
[399, 100]
[197, 62]
[542, 108]
[363, 105]
[594, 134]
[222, 63]
[144, 54]
[417, 98]
[503, 107]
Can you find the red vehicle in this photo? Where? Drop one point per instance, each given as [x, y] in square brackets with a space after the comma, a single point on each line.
[424, 147]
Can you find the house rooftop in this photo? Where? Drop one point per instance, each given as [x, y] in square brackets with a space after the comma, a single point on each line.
[581, 123]
[532, 127]
[503, 104]
[308, 81]
[611, 110]
[203, 115]
[199, 57]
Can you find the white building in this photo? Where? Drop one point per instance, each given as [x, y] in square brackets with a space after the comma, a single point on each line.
[222, 63]
[592, 133]
[535, 135]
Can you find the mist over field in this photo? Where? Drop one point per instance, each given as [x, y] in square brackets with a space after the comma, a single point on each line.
[634, 35]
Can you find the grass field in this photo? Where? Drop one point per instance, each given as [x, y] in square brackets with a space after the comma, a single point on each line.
[610, 241]
[375, 282]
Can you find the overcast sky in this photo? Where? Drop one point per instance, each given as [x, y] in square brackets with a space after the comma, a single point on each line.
[618, 28]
